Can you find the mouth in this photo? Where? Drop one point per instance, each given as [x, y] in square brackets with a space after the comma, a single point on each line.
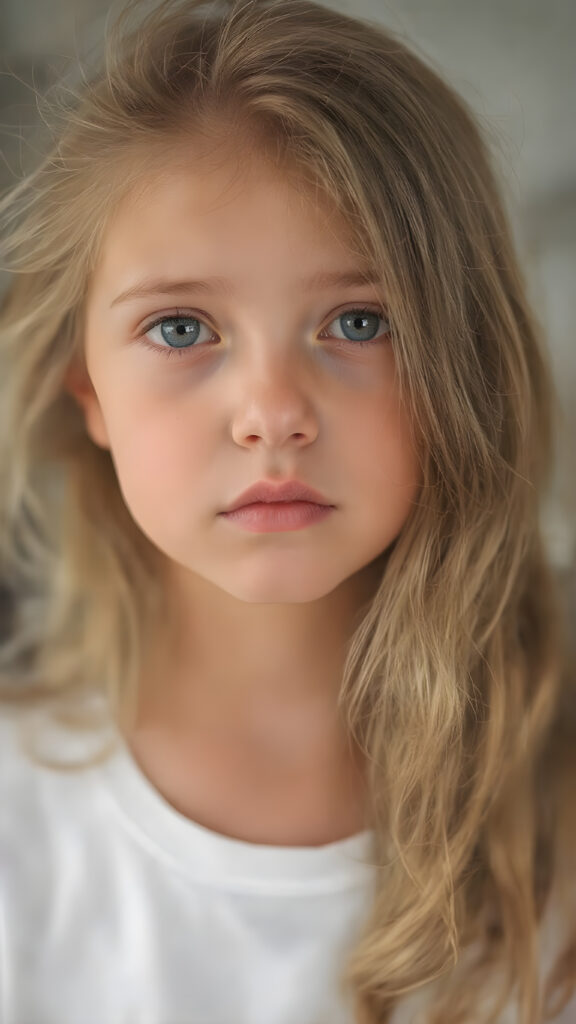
[273, 493]
[277, 516]
[277, 505]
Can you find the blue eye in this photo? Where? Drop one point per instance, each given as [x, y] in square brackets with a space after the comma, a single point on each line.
[182, 332]
[178, 331]
[364, 322]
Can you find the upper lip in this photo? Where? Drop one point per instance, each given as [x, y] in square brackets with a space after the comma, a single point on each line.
[289, 490]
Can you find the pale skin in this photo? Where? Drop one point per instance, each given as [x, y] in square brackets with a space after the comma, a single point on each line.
[237, 724]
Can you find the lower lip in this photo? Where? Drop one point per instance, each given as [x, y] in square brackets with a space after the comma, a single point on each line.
[271, 517]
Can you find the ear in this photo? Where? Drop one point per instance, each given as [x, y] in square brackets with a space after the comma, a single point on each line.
[77, 383]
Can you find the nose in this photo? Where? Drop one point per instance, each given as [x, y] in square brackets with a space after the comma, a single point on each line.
[275, 409]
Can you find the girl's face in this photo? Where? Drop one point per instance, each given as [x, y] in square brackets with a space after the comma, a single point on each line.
[270, 380]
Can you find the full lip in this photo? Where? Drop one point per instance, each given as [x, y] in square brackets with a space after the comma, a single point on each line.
[267, 491]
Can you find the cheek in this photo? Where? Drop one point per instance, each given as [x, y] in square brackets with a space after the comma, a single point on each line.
[377, 444]
[157, 452]
[382, 468]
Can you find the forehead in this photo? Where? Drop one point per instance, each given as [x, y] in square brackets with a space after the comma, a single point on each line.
[223, 217]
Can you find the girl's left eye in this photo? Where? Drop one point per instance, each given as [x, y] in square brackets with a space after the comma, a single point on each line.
[181, 331]
[361, 321]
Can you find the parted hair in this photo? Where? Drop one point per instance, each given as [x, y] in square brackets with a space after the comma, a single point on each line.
[458, 679]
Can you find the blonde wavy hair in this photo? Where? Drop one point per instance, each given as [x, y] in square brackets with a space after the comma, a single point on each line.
[458, 680]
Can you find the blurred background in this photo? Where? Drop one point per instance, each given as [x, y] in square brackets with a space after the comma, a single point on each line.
[514, 61]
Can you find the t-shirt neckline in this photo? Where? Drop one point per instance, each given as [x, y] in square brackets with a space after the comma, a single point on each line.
[221, 860]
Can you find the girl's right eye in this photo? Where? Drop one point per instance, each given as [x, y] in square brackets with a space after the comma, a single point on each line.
[177, 334]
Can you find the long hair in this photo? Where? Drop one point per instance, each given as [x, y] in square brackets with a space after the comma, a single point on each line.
[458, 680]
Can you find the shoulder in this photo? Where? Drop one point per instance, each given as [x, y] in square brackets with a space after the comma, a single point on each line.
[15, 765]
[46, 778]
[23, 780]
[22, 806]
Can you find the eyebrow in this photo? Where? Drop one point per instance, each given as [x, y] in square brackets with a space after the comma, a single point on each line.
[166, 286]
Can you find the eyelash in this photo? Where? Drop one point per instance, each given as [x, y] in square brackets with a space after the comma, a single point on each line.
[169, 351]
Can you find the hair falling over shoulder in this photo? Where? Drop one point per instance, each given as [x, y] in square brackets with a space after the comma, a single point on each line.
[459, 682]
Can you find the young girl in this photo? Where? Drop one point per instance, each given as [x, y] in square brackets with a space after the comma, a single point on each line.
[287, 733]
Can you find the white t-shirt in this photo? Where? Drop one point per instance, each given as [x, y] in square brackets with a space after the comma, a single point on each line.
[116, 909]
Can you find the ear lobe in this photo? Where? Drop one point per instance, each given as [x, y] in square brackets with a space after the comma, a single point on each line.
[77, 383]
